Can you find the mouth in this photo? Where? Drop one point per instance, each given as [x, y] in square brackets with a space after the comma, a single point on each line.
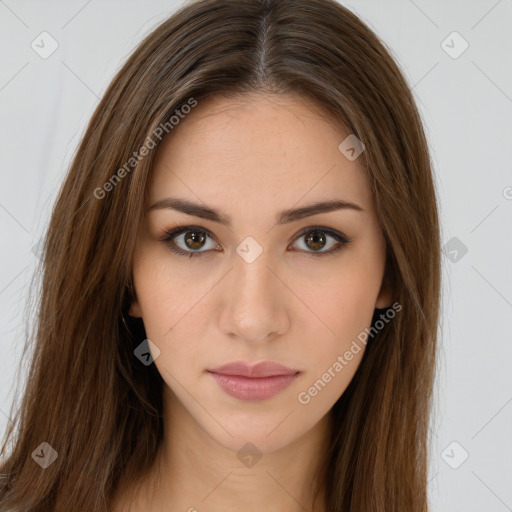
[257, 382]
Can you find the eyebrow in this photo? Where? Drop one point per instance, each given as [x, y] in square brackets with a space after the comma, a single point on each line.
[283, 217]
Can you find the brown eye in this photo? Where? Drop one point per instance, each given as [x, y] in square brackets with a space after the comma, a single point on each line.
[194, 240]
[316, 240]
[189, 241]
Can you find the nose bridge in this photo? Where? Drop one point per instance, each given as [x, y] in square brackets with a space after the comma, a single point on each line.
[255, 305]
[252, 279]
[251, 262]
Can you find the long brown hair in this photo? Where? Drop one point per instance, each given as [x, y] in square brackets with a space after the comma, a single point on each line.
[88, 397]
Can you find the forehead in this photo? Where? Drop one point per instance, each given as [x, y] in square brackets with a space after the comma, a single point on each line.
[257, 150]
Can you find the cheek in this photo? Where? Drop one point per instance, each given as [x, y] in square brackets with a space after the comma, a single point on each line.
[173, 308]
[346, 301]
[345, 306]
[334, 357]
[347, 313]
[162, 295]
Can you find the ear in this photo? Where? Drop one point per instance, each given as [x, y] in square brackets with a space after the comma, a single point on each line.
[385, 298]
[135, 310]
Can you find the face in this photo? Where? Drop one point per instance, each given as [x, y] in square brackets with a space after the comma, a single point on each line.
[245, 280]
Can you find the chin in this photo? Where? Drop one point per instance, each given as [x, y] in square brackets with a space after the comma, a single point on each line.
[255, 440]
[267, 433]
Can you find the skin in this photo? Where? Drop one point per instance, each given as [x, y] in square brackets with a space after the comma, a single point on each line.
[252, 156]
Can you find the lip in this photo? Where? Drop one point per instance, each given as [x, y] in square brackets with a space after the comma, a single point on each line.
[261, 369]
[253, 382]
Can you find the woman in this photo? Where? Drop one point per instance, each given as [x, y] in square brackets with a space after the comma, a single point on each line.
[241, 279]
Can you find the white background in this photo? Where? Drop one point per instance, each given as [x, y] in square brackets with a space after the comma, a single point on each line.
[466, 103]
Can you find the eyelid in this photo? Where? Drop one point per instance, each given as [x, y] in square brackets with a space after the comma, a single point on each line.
[175, 231]
[337, 235]
[330, 231]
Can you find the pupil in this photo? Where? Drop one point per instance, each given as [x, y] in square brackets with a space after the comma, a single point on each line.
[314, 237]
[195, 238]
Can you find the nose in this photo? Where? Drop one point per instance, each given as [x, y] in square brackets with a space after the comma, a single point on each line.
[255, 302]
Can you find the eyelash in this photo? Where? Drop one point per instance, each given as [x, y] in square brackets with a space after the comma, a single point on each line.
[168, 240]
